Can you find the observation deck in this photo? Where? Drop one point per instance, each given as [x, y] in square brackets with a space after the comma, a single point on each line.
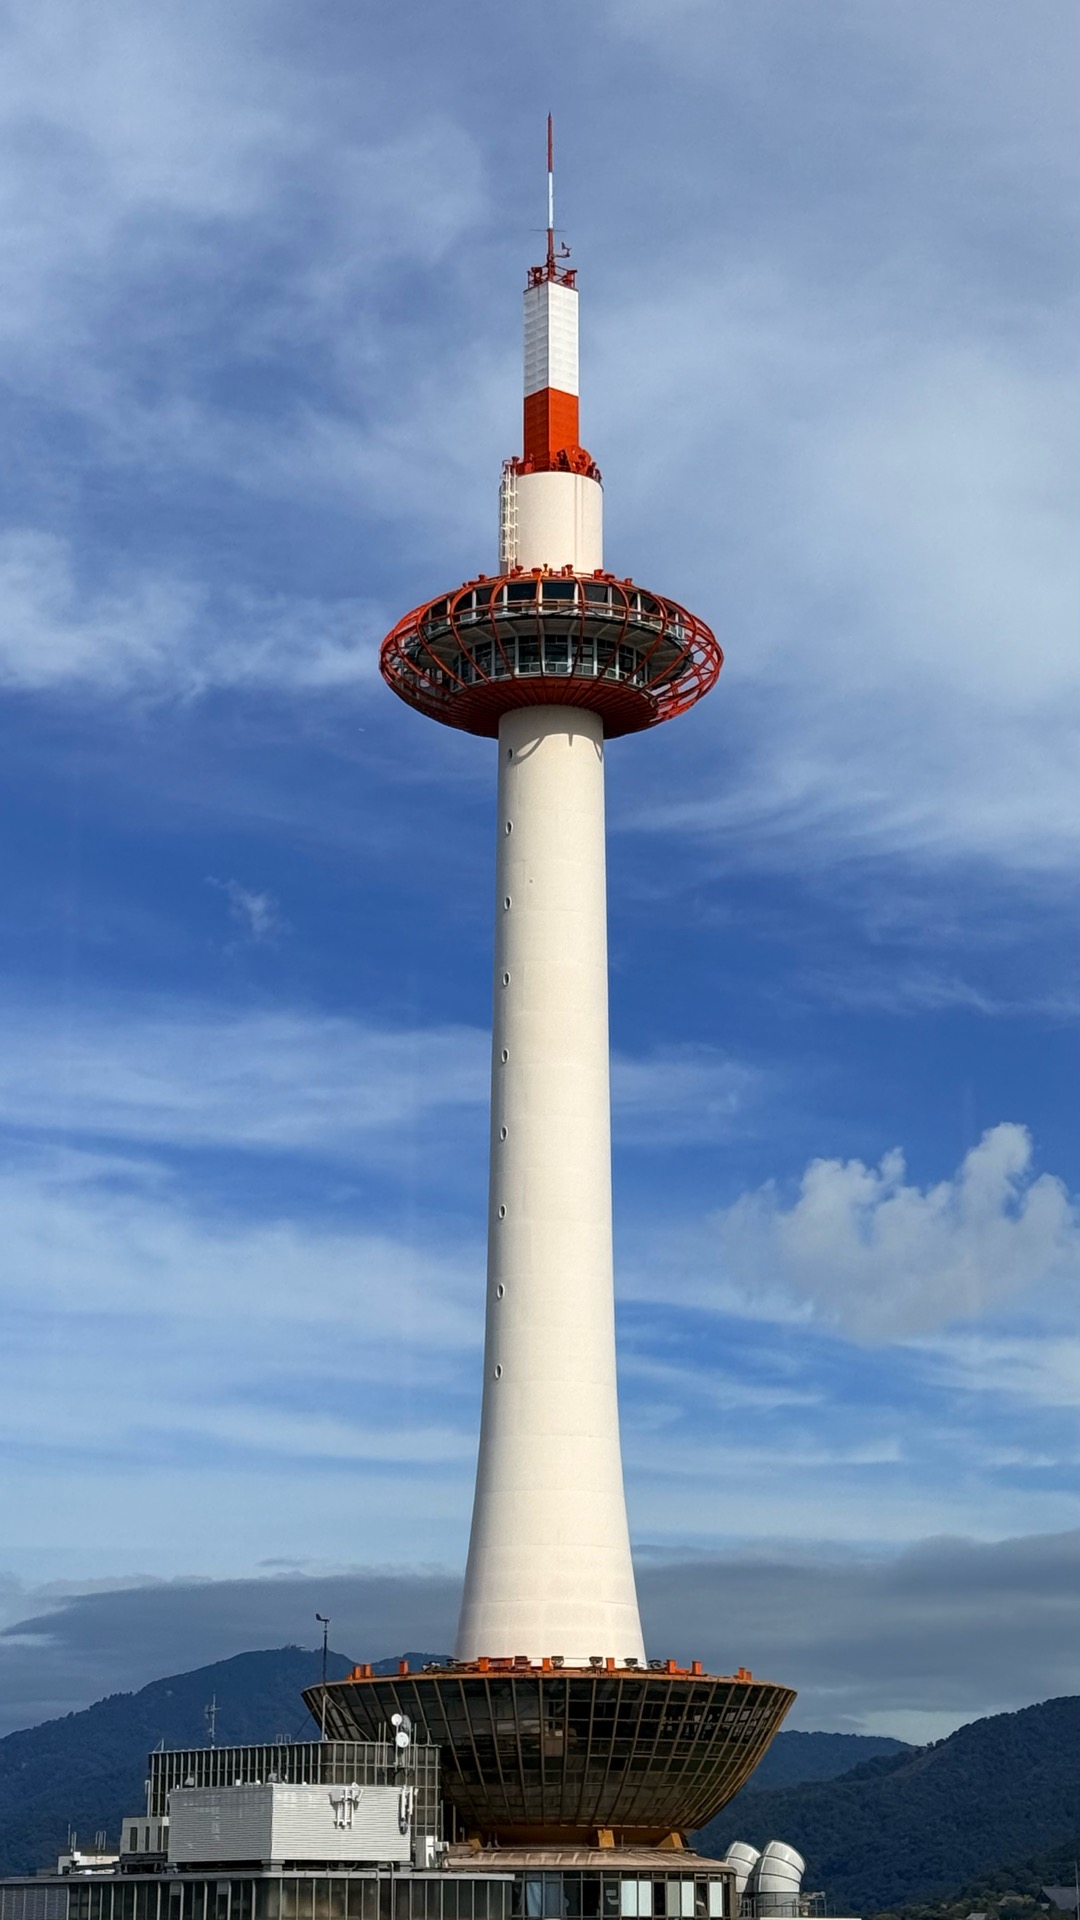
[552, 639]
[539, 1753]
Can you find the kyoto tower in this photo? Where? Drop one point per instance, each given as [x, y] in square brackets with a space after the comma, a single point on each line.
[552, 656]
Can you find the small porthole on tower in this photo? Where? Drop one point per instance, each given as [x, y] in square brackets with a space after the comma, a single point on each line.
[509, 826]
[502, 1213]
[506, 979]
[499, 1291]
[509, 753]
[505, 1055]
[498, 1373]
[502, 1133]
[506, 904]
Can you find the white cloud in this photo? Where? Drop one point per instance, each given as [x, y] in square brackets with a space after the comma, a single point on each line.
[180, 1074]
[895, 577]
[912, 990]
[257, 914]
[176, 1411]
[153, 634]
[887, 1259]
[682, 1093]
[141, 142]
[256, 1371]
[1040, 1367]
[254, 1378]
[126, 1244]
[173, 1073]
[917, 1642]
[687, 1385]
[887, 540]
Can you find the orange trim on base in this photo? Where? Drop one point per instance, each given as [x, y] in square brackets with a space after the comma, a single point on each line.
[551, 1664]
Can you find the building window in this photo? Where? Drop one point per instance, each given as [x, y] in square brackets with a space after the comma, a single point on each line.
[544, 1897]
[363, 1896]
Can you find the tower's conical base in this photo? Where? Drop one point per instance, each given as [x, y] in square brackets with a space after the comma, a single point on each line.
[562, 1756]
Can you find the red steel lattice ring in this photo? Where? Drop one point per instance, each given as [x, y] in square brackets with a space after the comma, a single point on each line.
[551, 639]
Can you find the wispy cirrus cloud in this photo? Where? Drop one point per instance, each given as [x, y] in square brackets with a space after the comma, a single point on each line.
[151, 634]
[888, 543]
[913, 990]
[274, 1082]
[259, 366]
[174, 1073]
[256, 913]
[898, 576]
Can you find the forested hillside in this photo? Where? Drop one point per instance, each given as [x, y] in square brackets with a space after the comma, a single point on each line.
[1011, 1892]
[917, 1825]
[88, 1768]
[906, 1825]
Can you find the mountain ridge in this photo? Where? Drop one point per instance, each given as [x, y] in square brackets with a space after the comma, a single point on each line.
[901, 1825]
[87, 1768]
[914, 1826]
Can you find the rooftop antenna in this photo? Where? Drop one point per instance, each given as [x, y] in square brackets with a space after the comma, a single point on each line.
[551, 200]
[324, 1622]
[210, 1716]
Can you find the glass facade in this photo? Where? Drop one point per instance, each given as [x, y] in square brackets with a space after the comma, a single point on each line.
[313, 1896]
[550, 626]
[583, 1895]
[618, 1896]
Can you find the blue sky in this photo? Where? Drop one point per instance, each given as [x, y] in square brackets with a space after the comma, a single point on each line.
[259, 364]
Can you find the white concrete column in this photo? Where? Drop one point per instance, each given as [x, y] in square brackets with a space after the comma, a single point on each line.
[555, 520]
[549, 1568]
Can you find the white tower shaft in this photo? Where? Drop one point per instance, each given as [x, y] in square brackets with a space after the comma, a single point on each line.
[549, 1570]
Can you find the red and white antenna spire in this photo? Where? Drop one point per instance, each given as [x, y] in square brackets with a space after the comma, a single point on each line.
[550, 513]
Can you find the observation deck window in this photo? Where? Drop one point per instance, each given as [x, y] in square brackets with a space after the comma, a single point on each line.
[553, 654]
